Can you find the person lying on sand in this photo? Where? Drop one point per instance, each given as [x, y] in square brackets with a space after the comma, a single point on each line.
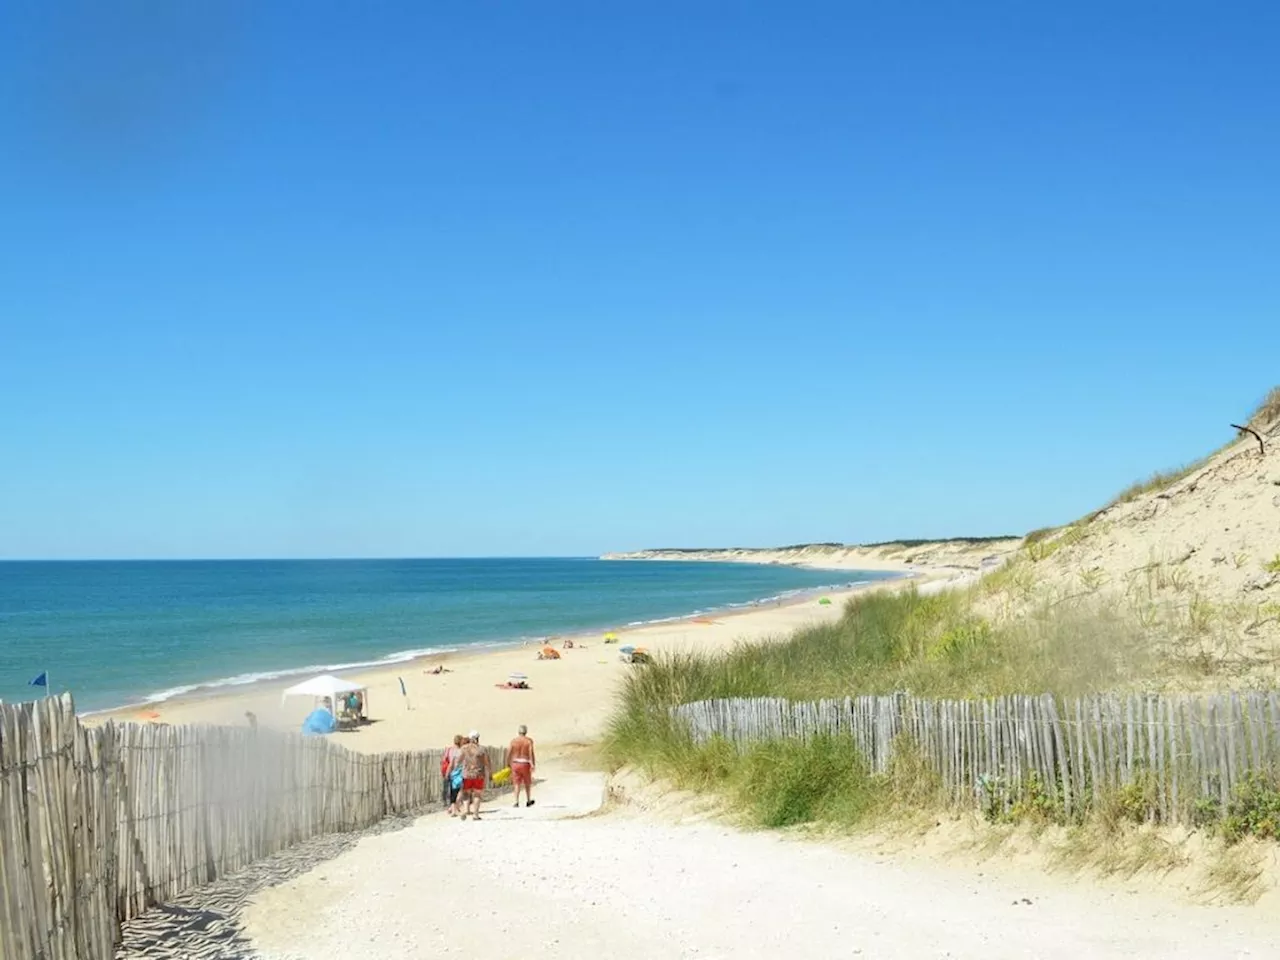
[438, 668]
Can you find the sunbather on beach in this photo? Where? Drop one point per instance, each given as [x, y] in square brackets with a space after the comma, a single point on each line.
[521, 760]
[475, 774]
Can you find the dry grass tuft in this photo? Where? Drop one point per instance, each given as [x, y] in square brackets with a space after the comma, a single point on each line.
[1113, 848]
[1268, 411]
[1236, 874]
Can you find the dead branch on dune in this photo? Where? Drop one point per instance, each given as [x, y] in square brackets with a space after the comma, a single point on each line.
[1262, 447]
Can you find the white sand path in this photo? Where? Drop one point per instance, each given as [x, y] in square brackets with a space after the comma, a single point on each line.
[548, 882]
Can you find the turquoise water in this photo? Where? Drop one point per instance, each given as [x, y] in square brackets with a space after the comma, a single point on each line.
[116, 633]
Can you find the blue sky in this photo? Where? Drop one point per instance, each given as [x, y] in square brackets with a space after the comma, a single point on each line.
[423, 279]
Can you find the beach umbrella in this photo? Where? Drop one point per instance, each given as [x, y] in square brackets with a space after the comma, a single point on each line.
[825, 601]
[627, 649]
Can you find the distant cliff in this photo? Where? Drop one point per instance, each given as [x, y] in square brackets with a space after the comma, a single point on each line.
[966, 553]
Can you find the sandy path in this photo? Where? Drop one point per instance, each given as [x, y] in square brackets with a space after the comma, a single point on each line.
[620, 885]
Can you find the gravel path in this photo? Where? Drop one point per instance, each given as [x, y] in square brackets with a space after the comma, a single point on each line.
[515, 886]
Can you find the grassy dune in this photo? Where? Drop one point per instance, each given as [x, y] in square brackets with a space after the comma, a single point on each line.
[929, 645]
[1055, 618]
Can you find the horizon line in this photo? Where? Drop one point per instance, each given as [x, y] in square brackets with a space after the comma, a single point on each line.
[334, 559]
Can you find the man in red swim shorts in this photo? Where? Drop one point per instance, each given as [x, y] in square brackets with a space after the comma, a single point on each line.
[475, 774]
[521, 760]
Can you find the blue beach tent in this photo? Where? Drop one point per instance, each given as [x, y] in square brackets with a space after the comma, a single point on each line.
[319, 721]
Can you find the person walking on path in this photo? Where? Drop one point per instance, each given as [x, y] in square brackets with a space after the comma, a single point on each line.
[521, 760]
[475, 774]
[448, 764]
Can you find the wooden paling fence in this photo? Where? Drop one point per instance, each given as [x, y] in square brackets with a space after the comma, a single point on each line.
[99, 823]
[1177, 754]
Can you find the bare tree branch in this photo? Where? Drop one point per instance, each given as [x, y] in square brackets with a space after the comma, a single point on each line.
[1262, 448]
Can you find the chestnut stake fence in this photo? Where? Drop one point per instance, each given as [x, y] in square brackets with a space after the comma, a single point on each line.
[1184, 754]
[99, 823]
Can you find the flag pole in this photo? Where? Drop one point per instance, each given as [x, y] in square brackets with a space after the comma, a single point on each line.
[404, 693]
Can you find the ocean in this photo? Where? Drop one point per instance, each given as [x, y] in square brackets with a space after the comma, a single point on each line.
[118, 633]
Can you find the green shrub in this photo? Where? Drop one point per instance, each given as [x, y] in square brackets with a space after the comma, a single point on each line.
[1036, 804]
[1136, 801]
[1253, 809]
[1206, 812]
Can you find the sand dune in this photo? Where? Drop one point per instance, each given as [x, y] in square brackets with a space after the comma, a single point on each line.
[1195, 560]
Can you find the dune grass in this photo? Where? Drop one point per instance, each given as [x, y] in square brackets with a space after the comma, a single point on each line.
[1039, 534]
[1160, 480]
[1268, 411]
[928, 645]
[935, 645]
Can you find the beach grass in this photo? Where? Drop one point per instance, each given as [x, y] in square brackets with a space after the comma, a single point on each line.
[1268, 410]
[937, 645]
[929, 646]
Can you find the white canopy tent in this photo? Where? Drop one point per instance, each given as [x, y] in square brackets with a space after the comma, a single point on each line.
[325, 685]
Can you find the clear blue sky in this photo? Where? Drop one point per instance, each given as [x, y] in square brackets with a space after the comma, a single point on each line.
[547, 278]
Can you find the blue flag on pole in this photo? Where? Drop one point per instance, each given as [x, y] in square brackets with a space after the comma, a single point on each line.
[40, 681]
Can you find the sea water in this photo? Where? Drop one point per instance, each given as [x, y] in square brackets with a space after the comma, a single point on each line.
[115, 633]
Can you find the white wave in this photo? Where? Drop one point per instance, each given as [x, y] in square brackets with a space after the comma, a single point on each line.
[266, 676]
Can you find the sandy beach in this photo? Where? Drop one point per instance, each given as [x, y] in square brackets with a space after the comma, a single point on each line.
[567, 705]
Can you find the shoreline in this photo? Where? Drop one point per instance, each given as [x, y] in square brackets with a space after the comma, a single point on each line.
[567, 706]
[405, 659]
[252, 685]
